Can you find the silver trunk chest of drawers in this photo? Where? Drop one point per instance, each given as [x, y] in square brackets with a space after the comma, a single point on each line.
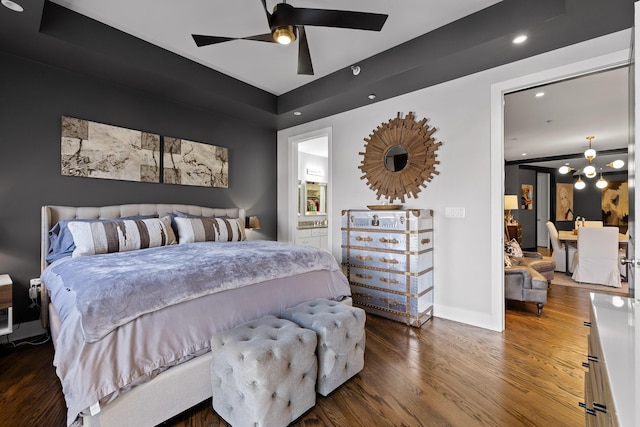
[388, 256]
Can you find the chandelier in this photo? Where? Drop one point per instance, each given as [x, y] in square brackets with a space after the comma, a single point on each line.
[590, 170]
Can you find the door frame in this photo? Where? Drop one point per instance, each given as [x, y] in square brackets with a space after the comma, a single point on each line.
[292, 185]
[498, 90]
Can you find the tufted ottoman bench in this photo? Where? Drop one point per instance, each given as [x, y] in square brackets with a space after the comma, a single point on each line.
[263, 372]
[341, 339]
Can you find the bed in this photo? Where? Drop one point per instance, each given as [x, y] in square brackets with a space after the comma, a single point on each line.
[142, 357]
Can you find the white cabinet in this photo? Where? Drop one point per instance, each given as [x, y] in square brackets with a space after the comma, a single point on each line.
[611, 398]
[389, 261]
[317, 237]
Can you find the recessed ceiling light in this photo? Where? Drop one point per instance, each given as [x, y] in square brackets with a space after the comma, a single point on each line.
[520, 39]
[297, 113]
[524, 154]
[539, 94]
[12, 5]
[372, 96]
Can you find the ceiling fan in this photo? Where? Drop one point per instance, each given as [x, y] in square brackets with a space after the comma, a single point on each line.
[287, 24]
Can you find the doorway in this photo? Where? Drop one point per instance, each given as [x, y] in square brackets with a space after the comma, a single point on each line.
[498, 92]
[310, 189]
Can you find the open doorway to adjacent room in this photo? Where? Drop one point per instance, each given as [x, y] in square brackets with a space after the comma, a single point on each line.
[550, 126]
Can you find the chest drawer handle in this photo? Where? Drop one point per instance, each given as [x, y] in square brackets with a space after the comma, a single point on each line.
[389, 261]
[364, 257]
[389, 301]
[364, 239]
[592, 358]
[363, 276]
[390, 241]
[425, 241]
[362, 296]
[393, 281]
[587, 324]
[600, 407]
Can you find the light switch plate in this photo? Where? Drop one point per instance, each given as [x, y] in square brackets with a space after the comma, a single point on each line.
[454, 213]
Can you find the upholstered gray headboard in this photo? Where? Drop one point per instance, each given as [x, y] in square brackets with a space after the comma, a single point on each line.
[52, 214]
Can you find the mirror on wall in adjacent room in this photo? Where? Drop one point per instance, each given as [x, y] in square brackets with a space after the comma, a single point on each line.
[312, 198]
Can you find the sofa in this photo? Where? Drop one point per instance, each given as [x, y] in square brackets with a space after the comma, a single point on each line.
[527, 278]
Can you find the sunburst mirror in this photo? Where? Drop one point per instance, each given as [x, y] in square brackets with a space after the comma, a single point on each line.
[400, 157]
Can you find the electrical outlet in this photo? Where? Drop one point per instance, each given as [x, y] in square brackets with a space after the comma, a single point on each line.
[33, 292]
[34, 288]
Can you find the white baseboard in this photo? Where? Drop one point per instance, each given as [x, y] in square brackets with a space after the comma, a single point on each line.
[26, 330]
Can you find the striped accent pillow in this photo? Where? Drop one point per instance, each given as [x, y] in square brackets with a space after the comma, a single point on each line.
[99, 237]
[210, 230]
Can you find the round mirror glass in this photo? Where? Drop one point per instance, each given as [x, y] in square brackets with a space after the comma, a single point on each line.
[396, 158]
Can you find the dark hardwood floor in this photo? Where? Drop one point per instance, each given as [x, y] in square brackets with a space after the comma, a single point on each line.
[444, 374]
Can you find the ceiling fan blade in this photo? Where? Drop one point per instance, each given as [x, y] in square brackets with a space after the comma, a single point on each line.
[261, 38]
[207, 40]
[333, 18]
[304, 56]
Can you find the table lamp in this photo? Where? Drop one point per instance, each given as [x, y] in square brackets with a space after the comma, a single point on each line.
[510, 203]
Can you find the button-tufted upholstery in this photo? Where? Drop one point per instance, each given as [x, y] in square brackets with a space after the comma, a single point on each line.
[263, 372]
[341, 339]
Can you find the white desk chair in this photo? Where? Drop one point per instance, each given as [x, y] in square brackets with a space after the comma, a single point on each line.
[558, 254]
[594, 223]
[597, 256]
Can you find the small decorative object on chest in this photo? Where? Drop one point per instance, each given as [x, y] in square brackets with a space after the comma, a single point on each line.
[389, 260]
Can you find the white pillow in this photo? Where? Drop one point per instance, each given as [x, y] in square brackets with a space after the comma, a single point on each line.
[512, 248]
[100, 237]
[210, 229]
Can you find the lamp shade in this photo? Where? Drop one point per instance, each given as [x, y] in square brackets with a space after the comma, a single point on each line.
[510, 202]
[253, 223]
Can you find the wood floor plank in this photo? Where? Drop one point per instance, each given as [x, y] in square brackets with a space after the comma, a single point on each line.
[443, 374]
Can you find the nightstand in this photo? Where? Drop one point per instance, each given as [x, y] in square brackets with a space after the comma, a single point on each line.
[6, 305]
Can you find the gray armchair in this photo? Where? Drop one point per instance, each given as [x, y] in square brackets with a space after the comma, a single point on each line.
[522, 283]
[528, 278]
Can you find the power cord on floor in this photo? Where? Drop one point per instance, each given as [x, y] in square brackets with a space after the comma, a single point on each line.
[39, 340]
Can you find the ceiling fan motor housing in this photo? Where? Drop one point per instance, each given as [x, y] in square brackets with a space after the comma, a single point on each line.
[283, 16]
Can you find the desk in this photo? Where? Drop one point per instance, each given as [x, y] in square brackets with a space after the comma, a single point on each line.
[568, 237]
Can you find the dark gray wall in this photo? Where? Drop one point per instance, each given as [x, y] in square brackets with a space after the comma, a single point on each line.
[587, 202]
[514, 178]
[35, 96]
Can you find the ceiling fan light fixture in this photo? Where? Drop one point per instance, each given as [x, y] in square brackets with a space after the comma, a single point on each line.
[284, 34]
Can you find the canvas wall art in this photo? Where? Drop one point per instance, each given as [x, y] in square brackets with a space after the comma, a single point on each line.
[564, 202]
[194, 163]
[526, 197]
[615, 205]
[97, 150]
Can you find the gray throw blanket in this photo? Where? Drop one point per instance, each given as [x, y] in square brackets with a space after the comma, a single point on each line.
[113, 289]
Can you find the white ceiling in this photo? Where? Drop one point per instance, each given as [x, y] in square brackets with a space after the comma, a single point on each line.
[269, 66]
[559, 122]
